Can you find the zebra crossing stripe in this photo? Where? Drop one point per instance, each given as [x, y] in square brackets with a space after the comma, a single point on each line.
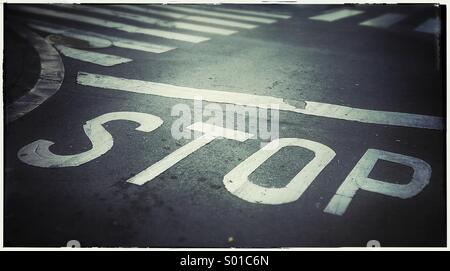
[153, 21]
[257, 13]
[95, 37]
[430, 26]
[92, 57]
[93, 41]
[336, 15]
[200, 19]
[219, 14]
[110, 24]
[309, 108]
[384, 21]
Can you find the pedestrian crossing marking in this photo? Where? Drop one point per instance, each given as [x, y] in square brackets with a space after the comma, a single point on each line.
[93, 41]
[430, 26]
[384, 21]
[337, 15]
[97, 40]
[93, 37]
[153, 21]
[112, 24]
[175, 15]
[92, 57]
[221, 22]
[218, 14]
[257, 13]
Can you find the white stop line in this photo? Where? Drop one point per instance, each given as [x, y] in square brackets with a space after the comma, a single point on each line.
[310, 108]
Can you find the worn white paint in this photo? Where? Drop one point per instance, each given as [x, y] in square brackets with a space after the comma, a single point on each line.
[200, 19]
[92, 37]
[237, 183]
[139, 45]
[430, 26]
[93, 41]
[373, 116]
[211, 132]
[92, 57]
[358, 179]
[337, 15]
[310, 108]
[38, 152]
[50, 78]
[257, 13]
[110, 24]
[384, 21]
[219, 14]
[155, 21]
[228, 23]
[150, 10]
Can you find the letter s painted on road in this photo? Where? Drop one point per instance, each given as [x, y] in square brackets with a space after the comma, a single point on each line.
[38, 153]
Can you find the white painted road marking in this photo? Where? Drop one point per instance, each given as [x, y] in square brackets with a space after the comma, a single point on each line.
[237, 183]
[91, 37]
[38, 153]
[359, 179]
[218, 14]
[200, 19]
[50, 78]
[384, 21]
[431, 26]
[211, 132]
[311, 108]
[92, 57]
[153, 21]
[257, 13]
[110, 24]
[93, 41]
[336, 15]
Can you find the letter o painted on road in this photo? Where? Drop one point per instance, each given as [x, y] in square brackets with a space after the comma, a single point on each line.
[236, 181]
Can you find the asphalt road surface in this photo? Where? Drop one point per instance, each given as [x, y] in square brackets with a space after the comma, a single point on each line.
[369, 60]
